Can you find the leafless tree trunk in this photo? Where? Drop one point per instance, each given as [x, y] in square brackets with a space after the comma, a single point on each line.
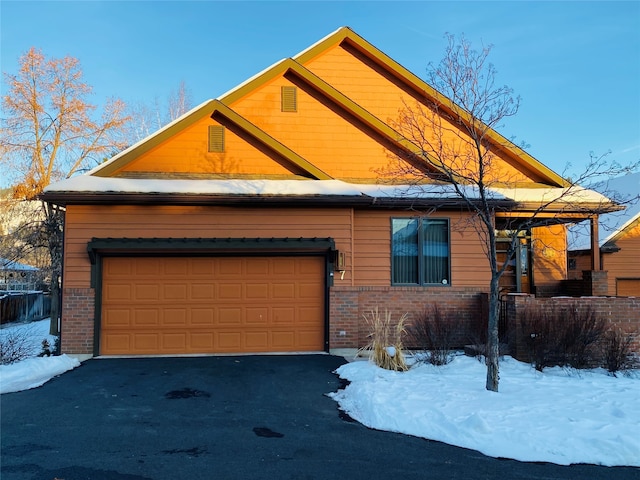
[451, 136]
[49, 133]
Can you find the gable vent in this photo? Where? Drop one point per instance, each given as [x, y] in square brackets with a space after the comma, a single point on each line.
[289, 99]
[216, 138]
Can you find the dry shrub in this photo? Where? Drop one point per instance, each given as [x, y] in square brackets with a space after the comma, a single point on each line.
[617, 352]
[433, 333]
[385, 345]
[564, 336]
[16, 345]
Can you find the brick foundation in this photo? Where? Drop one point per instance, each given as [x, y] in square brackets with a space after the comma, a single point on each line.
[77, 321]
[350, 304]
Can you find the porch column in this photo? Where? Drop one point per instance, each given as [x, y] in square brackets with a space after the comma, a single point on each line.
[595, 243]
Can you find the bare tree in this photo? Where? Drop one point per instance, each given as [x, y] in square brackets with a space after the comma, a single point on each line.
[148, 118]
[454, 140]
[49, 132]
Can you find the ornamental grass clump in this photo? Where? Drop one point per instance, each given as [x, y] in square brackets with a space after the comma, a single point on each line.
[385, 345]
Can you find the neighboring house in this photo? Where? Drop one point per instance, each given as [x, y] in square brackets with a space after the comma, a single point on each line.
[619, 241]
[263, 220]
[16, 276]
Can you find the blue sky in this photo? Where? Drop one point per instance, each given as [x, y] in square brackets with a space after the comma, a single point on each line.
[575, 64]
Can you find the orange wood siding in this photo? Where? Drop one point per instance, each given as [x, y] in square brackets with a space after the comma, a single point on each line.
[382, 97]
[85, 222]
[583, 262]
[187, 152]
[549, 246]
[317, 133]
[626, 262]
[372, 244]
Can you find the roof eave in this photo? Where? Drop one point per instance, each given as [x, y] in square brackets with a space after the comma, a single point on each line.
[320, 200]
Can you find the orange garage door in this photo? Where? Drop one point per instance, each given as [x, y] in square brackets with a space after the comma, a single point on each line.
[212, 305]
[628, 287]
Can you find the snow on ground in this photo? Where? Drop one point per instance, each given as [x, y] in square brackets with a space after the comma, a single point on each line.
[33, 371]
[561, 416]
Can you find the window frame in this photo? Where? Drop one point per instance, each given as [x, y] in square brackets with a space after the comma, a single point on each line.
[420, 250]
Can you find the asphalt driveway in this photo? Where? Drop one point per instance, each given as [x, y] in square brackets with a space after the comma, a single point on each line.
[245, 417]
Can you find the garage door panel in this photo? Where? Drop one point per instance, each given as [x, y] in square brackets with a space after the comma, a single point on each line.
[117, 292]
[117, 318]
[283, 315]
[230, 316]
[283, 290]
[202, 316]
[174, 291]
[256, 339]
[307, 338]
[230, 267]
[306, 266]
[257, 267]
[203, 341]
[148, 268]
[145, 318]
[175, 267]
[229, 341]
[203, 291]
[306, 316]
[285, 266]
[256, 316]
[230, 291]
[284, 340]
[149, 292]
[202, 266]
[174, 317]
[119, 267]
[256, 291]
[117, 343]
[146, 342]
[308, 291]
[210, 305]
[176, 341]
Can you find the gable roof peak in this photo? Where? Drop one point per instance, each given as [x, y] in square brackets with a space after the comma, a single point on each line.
[340, 32]
[196, 111]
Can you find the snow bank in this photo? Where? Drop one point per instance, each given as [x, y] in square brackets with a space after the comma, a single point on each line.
[559, 416]
[33, 372]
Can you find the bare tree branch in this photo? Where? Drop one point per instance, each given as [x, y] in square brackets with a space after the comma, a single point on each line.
[451, 137]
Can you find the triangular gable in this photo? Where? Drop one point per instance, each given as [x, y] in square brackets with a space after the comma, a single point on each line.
[152, 141]
[224, 115]
[222, 111]
[347, 36]
[289, 68]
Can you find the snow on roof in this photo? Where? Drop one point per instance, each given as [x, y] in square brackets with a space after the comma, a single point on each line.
[92, 184]
[569, 195]
[6, 264]
[420, 191]
[621, 189]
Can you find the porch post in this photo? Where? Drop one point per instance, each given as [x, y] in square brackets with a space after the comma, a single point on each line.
[595, 244]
